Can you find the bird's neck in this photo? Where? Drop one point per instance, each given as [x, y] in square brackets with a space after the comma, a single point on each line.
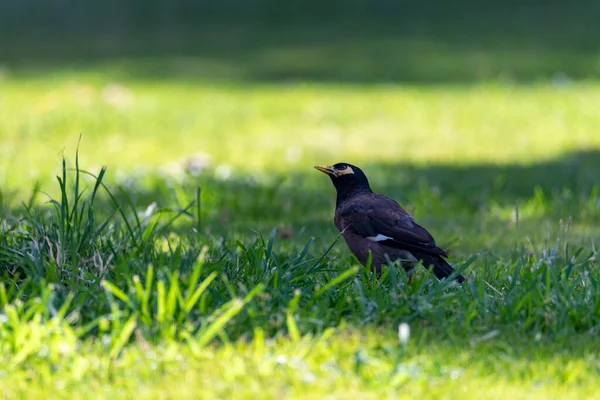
[349, 192]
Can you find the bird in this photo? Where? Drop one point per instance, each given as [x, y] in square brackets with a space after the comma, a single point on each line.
[377, 227]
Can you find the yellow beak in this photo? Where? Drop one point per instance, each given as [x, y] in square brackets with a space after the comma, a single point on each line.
[326, 169]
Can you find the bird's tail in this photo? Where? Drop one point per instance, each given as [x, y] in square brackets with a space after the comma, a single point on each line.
[441, 268]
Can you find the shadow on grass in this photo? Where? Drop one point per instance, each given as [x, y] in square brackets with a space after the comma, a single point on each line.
[561, 185]
[359, 42]
[449, 199]
[469, 209]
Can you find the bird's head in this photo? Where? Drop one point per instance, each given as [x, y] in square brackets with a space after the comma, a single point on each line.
[348, 179]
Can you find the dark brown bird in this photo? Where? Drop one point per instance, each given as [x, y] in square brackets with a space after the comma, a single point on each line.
[373, 223]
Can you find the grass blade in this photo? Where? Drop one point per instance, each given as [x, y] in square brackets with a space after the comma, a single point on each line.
[231, 309]
[123, 337]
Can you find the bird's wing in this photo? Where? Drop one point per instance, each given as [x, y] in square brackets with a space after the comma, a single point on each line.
[381, 219]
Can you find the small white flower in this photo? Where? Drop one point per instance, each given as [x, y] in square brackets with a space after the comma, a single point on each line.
[223, 172]
[281, 359]
[403, 332]
[455, 373]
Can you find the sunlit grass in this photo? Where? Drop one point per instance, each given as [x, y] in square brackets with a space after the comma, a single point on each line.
[265, 128]
[357, 365]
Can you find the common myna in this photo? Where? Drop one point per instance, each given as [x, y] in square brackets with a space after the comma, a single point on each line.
[373, 223]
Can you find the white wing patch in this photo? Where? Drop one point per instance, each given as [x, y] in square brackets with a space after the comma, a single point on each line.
[379, 238]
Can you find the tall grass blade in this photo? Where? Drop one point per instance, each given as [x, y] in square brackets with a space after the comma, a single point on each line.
[231, 309]
[123, 338]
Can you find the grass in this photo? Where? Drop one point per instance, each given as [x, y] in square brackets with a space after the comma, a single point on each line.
[355, 365]
[178, 274]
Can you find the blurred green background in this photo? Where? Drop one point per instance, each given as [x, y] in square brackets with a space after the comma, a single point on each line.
[355, 41]
[480, 117]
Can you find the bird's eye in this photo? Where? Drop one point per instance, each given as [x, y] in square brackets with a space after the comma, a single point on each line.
[342, 167]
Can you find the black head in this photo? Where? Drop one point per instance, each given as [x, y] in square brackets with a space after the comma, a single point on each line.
[348, 180]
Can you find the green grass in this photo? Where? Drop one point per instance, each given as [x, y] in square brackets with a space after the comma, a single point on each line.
[125, 285]
[370, 364]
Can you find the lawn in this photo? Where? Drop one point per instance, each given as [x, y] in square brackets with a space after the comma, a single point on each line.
[203, 261]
